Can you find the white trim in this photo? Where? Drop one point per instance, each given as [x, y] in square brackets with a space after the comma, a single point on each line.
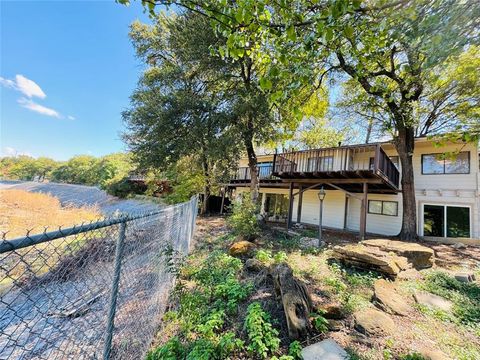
[445, 205]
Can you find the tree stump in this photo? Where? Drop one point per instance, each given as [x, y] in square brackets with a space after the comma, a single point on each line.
[296, 300]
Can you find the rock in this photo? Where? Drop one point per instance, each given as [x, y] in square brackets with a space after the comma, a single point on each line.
[432, 354]
[388, 299]
[421, 257]
[298, 226]
[308, 242]
[428, 299]
[465, 277]
[242, 248]
[324, 350]
[459, 245]
[335, 325]
[253, 265]
[332, 311]
[373, 322]
[410, 274]
[369, 258]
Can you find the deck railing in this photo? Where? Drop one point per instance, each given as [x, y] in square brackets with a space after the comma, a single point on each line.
[338, 159]
[263, 173]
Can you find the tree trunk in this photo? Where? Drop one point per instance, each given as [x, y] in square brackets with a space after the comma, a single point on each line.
[296, 300]
[252, 160]
[405, 143]
[206, 173]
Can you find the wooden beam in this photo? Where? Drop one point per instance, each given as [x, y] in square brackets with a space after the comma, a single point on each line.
[299, 208]
[335, 181]
[363, 212]
[345, 215]
[290, 207]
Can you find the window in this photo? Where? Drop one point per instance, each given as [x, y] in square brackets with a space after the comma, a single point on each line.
[438, 220]
[380, 207]
[394, 159]
[264, 169]
[441, 164]
[321, 163]
[276, 207]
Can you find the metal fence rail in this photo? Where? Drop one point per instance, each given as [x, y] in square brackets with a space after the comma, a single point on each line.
[93, 291]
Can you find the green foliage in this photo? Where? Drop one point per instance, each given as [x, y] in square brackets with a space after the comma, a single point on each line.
[186, 180]
[412, 356]
[263, 337]
[319, 322]
[243, 219]
[465, 296]
[295, 350]
[202, 311]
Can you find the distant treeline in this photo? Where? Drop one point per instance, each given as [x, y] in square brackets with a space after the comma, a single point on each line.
[82, 169]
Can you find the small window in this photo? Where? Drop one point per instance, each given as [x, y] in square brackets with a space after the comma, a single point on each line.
[380, 207]
[440, 164]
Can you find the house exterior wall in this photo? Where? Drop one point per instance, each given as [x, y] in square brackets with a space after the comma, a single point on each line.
[440, 189]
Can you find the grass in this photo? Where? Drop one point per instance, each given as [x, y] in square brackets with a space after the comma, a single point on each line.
[22, 211]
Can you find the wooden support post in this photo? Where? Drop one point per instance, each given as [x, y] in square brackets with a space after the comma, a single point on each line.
[299, 207]
[363, 212]
[290, 207]
[223, 201]
[345, 215]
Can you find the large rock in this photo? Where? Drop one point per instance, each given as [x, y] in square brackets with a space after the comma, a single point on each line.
[421, 257]
[242, 248]
[253, 265]
[324, 350]
[370, 258]
[374, 322]
[429, 354]
[425, 298]
[388, 299]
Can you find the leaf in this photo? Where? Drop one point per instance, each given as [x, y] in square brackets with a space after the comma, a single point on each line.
[265, 83]
[349, 31]
[291, 34]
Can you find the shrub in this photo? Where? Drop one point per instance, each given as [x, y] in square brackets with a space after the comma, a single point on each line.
[320, 323]
[123, 188]
[243, 219]
[295, 350]
[262, 335]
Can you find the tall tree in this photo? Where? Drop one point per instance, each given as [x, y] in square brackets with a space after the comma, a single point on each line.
[388, 48]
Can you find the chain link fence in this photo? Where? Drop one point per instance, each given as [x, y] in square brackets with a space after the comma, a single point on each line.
[96, 291]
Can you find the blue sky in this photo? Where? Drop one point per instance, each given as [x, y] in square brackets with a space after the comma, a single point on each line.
[67, 70]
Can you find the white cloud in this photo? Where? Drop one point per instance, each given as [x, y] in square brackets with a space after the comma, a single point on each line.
[33, 106]
[9, 151]
[29, 87]
[70, 117]
[26, 86]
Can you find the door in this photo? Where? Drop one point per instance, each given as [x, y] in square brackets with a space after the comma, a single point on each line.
[446, 221]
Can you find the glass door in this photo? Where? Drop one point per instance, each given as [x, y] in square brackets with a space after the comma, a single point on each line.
[446, 221]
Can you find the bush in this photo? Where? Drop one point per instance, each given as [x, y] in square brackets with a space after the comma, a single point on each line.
[124, 188]
[244, 220]
[262, 335]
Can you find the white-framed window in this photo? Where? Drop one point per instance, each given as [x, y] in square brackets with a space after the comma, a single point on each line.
[433, 164]
[443, 220]
[321, 163]
[381, 207]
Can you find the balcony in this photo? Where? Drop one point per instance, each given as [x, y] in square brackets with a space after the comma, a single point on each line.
[347, 165]
[264, 173]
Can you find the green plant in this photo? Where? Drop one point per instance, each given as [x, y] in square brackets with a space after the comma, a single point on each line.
[412, 356]
[295, 350]
[231, 292]
[465, 296]
[319, 322]
[280, 256]
[171, 350]
[244, 220]
[265, 256]
[263, 337]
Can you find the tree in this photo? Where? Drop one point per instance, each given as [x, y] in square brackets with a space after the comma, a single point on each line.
[179, 109]
[388, 49]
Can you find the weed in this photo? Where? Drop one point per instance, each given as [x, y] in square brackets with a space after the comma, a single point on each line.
[412, 356]
[295, 350]
[319, 322]
[262, 336]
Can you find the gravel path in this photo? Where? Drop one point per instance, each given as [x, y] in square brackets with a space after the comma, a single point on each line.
[81, 195]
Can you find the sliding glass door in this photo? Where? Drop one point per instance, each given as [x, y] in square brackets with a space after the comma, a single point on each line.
[446, 221]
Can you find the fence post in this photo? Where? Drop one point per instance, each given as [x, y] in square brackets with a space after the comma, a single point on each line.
[113, 296]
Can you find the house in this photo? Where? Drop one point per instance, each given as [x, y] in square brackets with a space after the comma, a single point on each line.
[447, 188]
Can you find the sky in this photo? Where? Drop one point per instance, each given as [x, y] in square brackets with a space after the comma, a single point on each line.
[67, 69]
